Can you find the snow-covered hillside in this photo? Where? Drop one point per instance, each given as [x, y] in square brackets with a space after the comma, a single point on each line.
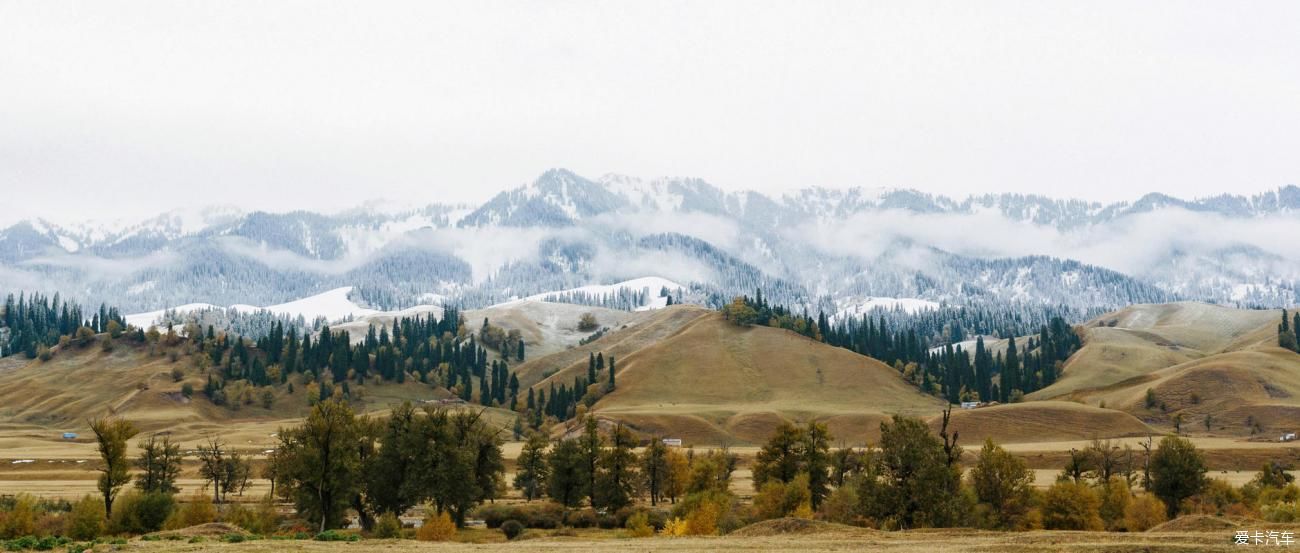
[332, 306]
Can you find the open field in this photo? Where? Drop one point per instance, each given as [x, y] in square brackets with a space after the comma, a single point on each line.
[831, 538]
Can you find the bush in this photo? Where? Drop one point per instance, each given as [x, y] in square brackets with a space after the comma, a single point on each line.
[1281, 512]
[543, 514]
[638, 525]
[436, 527]
[675, 527]
[841, 506]
[136, 513]
[193, 512]
[1115, 497]
[1070, 506]
[388, 527]
[86, 521]
[21, 519]
[1143, 513]
[512, 529]
[776, 499]
[703, 521]
[582, 518]
[336, 535]
[262, 519]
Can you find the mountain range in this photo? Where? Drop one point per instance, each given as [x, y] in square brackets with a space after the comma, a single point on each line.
[822, 249]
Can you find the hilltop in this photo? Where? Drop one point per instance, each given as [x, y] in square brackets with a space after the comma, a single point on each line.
[1196, 359]
[686, 372]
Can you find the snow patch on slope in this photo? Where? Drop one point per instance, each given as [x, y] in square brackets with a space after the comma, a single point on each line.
[856, 308]
[332, 305]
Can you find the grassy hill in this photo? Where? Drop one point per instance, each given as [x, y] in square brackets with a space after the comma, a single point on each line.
[685, 372]
[49, 397]
[1196, 359]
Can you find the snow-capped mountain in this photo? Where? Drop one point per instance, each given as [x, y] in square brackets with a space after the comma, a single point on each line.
[828, 249]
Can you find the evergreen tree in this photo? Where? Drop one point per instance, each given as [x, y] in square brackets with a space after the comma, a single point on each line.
[531, 476]
[655, 469]
[616, 483]
[566, 479]
[591, 444]
[816, 462]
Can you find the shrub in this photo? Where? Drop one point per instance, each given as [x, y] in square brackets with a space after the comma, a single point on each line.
[262, 519]
[542, 514]
[1143, 513]
[675, 527]
[86, 521]
[841, 506]
[21, 519]
[582, 518]
[1070, 506]
[336, 535]
[776, 499]
[388, 526]
[436, 527]
[187, 390]
[1281, 512]
[638, 525]
[136, 513]
[194, 511]
[512, 529]
[703, 521]
[1115, 497]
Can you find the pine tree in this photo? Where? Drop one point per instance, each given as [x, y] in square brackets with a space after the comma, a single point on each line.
[611, 373]
[590, 446]
[1011, 373]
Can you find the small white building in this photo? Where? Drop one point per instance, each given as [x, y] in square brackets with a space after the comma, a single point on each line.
[673, 442]
[1288, 437]
[969, 404]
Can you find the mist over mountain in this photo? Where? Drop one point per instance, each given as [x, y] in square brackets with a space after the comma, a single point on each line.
[819, 248]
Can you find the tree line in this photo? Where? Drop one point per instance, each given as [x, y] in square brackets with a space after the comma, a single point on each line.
[948, 371]
[36, 322]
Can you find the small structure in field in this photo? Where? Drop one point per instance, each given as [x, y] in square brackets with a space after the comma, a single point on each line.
[69, 435]
[969, 404]
[1288, 437]
[673, 442]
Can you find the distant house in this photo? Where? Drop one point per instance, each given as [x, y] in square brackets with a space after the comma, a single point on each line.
[69, 435]
[673, 442]
[1288, 437]
[969, 404]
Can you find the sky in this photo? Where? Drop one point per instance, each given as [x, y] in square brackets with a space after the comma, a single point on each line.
[125, 109]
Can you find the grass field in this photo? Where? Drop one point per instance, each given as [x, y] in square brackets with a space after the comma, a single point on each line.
[825, 538]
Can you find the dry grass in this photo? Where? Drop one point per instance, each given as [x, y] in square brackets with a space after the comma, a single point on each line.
[710, 382]
[1042, 421]
[832, 539]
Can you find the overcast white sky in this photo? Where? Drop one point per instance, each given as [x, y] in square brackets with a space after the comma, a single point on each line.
[128, 108]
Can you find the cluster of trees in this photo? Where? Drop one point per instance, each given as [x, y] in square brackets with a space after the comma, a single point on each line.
[606, 473]
[562, 403]
[32, 324]
[1288, 332]
[437, 351]
[913, 479]
[948, 370]
[336, 461]
[622, 298]
[510, 343]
